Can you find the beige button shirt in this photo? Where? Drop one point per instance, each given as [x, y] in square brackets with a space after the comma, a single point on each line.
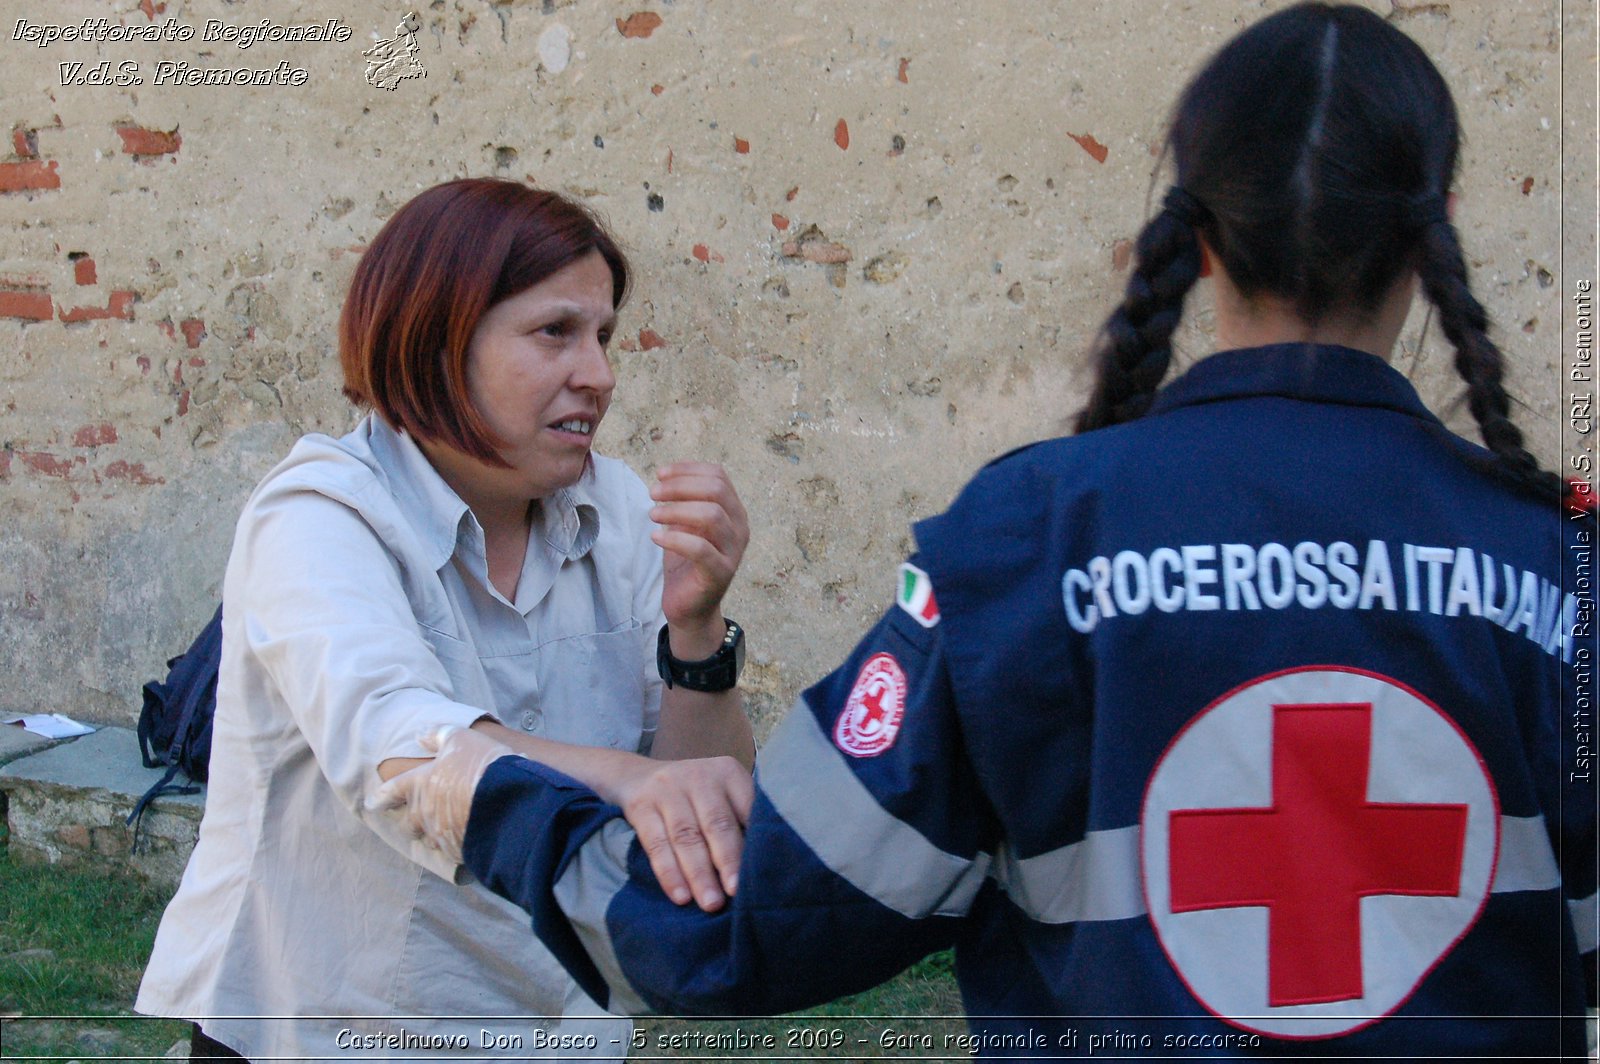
[357, 613]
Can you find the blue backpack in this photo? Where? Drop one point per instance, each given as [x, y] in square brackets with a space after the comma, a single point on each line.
[175, 723]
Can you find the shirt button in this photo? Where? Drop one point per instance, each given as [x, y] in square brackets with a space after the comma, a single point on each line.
[530, 720]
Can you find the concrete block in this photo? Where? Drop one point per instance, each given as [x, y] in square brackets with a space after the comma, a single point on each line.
[69, 803]
[16, 741]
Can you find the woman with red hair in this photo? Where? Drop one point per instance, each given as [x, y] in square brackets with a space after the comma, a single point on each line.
[462, 555]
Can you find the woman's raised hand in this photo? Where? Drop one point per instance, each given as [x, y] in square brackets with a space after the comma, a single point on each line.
[703, 530]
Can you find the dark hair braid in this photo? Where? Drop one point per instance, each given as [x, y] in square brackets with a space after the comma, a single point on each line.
[1443, 272]
[1135, 346]
[1312, 153]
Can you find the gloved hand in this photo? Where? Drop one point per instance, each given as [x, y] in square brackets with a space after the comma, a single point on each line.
[437, 796]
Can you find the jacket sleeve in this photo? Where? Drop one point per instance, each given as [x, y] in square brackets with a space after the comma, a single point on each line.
[317, 619]
[867, 843]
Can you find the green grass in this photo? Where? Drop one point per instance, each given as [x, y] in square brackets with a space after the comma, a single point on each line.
[73, 943]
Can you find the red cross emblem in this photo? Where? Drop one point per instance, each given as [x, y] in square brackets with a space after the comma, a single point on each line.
[872, 711]
[1313, 843]
[871, 717]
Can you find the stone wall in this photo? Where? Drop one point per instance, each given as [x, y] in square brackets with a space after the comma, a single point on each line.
[873, 238]
[70, 802]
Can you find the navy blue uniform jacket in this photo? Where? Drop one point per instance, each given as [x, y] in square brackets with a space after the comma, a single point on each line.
[1261, 724]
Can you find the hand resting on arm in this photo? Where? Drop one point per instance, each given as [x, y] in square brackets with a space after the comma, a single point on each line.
[689, 815]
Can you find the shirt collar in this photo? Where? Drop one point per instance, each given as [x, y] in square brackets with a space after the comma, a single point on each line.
[431, 506]
[568, 521]
[1323, 373]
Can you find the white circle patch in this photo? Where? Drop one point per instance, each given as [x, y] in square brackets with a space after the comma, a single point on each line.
[871, 717]
[1312, 844]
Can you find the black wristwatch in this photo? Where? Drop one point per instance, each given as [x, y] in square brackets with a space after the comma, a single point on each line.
[719, 672]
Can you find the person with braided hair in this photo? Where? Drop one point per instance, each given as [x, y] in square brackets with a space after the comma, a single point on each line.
[1234, 724]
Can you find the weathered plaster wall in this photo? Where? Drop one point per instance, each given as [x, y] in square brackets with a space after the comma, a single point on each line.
[873, 238]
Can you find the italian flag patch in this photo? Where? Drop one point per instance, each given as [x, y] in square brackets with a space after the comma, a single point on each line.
[916, 595]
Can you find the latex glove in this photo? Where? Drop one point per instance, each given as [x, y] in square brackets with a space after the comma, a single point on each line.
[437, 796]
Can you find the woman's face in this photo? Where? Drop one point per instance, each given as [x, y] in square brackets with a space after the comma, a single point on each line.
[537, 372]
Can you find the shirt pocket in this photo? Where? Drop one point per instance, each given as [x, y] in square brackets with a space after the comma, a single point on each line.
[469, 681]
[592, 689]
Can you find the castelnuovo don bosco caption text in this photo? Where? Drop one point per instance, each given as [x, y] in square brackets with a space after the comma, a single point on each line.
[127, 72]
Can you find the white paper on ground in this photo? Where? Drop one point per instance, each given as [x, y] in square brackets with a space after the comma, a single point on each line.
[50, 725]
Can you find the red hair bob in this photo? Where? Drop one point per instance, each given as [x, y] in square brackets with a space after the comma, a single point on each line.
[427, 279]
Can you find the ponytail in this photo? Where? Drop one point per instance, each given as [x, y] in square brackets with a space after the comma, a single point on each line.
[1443, 273]
[1135, 347]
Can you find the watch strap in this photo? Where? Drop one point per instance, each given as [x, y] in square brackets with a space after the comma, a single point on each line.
[719, 672]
